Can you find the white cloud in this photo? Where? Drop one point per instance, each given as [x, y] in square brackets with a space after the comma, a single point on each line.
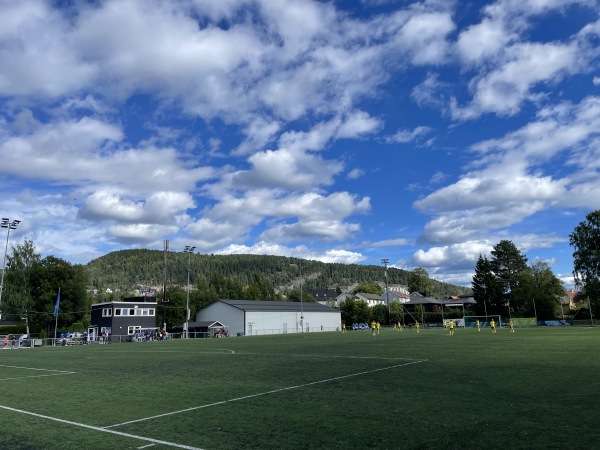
[503, 89]
[267, 248]
[355, 174]
[405, 136]
[423, 37]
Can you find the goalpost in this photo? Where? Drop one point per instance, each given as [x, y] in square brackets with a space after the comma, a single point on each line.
[484, 321]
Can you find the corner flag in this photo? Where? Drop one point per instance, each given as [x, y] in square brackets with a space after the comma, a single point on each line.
[57, 304]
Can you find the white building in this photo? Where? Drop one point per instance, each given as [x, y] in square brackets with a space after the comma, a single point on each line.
[249, 317]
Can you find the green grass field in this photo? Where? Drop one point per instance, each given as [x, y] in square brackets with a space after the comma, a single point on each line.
[536, 388]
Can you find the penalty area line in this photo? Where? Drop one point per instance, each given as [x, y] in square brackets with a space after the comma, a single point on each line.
[100, 429]
[274, 391]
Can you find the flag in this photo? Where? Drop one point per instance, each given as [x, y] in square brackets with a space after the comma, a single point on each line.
[57, 304]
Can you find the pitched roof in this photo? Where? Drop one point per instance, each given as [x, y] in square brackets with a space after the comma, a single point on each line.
[258, 305]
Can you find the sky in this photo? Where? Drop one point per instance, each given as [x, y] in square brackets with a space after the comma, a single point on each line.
[422, 132]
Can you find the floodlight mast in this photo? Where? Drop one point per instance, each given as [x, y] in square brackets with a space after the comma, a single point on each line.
[165, 299]
[189, 250]
[6, 223]
[299, 264]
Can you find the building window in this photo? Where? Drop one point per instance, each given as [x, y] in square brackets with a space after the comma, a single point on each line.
[151, 311]
[117, 311]
[132, 329]
[107, 312]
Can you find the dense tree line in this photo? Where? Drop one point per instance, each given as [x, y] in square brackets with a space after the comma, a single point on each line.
[504, 284]
[31, 289]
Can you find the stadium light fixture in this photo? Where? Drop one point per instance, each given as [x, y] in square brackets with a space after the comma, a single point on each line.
[189, 250]
[6, 223]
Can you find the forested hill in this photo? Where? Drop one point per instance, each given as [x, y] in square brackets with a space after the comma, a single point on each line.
[131, 269]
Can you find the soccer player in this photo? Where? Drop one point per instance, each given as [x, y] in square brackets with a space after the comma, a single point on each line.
[478, 325]
[451, 326]
[378, 327]
[512, 326]
[373, 327]
[493, 326]
[417, 325]
[343, 328]
[399, 327]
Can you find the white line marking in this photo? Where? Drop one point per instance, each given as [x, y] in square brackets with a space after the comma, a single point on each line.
[146, 446]
[59, 372]
[103, 430]
[328, 356]
[33, 368]
[193, 408]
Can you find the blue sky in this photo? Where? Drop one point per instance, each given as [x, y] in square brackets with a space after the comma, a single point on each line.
[422, 132]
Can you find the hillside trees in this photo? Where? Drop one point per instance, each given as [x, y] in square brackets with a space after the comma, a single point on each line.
[585, 241]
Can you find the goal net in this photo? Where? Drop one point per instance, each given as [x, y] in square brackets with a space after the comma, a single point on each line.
[484, 321]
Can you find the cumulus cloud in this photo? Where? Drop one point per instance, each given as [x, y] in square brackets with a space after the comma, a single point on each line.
[267, 248]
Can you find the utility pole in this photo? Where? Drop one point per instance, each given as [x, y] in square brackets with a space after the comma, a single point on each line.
[387, 292]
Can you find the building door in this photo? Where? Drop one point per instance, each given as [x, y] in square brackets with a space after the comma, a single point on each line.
[92, 334]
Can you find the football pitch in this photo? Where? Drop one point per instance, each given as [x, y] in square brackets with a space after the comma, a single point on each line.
[535, 388]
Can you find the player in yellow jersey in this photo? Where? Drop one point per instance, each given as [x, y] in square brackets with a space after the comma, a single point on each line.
[478, 325]
[512, 326]
[493, 326]
[399, 327]
[343, 328]
[373, 327]
[451, 327]
[378, 325]
[417, 325]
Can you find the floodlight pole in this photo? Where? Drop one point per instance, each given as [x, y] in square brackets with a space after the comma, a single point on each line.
[534, 310]
[165, 299]
[189, 250]
[299, 264]
[387, 291]
[6, 223]
[302, 307]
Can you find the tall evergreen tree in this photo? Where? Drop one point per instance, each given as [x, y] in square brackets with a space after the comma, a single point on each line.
[486, 290]
[507, 262]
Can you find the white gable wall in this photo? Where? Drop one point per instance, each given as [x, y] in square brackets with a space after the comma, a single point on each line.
[238, 321]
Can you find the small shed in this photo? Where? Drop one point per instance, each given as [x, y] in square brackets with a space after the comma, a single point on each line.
[249, 317]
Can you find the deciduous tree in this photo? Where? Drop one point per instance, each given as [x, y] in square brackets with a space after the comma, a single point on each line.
[585, 241]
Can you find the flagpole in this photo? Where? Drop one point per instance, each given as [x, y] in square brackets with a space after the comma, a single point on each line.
[56, 307]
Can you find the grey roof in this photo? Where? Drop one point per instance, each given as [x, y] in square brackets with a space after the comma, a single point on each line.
[419, 300]
[257, 305]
